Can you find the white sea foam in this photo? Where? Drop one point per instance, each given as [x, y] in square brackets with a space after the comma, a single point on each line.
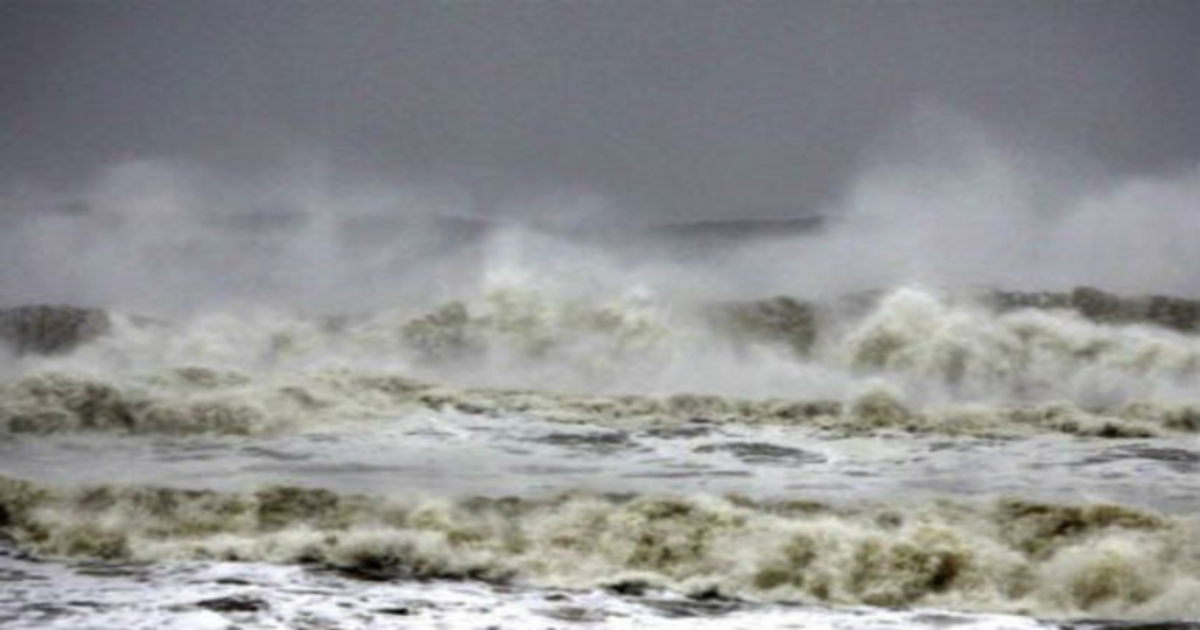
[1099, 560]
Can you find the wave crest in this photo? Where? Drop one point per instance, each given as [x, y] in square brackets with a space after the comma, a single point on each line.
[1009, 555]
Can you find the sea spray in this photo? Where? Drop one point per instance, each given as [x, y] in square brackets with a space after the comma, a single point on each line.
[1011, 555]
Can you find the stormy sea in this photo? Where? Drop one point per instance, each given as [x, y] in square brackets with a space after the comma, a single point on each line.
[555, 430]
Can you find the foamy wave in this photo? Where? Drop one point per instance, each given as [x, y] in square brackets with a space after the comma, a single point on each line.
[932, 345]
[1007, 556]
[946, 362]
[199, 400]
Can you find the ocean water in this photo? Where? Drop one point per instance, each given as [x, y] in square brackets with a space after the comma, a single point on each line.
[912, 457]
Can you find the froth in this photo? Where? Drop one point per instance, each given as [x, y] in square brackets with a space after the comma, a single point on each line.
[1008, 556]
[911, 359]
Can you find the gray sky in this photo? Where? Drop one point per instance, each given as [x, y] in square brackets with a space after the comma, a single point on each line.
[677, 110]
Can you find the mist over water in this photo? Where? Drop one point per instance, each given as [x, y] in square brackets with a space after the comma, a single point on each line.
[942, 204]
[617, 375]
[547, 316]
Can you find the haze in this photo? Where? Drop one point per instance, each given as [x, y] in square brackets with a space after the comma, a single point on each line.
[633, 112]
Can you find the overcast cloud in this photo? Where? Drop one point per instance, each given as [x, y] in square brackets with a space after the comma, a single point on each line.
[674, 110]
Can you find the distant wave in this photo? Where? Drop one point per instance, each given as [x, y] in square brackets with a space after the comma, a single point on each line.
[45, 329]
[201, 401]
[49, 329]
[999, 363]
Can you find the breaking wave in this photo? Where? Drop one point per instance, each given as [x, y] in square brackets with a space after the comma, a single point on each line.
[198, 400]
[915, 360]
[1008, 555]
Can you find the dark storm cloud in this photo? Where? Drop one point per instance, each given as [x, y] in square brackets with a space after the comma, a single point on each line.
[674, 108]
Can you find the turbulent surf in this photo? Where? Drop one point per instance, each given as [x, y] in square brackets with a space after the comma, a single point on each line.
[771, 458]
